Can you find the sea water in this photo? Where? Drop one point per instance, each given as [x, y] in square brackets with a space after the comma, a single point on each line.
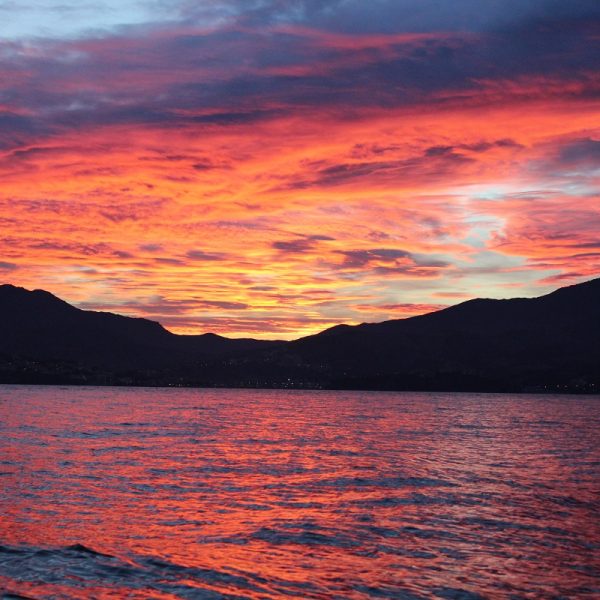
[193, 493]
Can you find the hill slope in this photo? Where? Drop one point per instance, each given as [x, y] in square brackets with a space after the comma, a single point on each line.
[551, 342]
[39, 325]
[518, 342]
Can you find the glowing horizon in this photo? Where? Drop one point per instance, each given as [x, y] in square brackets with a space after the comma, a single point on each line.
[275, 169]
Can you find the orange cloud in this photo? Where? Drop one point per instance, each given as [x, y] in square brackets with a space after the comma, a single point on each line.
[348, 178]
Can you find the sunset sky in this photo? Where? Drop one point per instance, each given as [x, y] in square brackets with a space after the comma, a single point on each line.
[270, 168]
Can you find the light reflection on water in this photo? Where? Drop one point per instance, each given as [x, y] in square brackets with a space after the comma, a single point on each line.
[153, 493]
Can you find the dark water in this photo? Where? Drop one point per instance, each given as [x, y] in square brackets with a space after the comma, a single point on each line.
[130, 493]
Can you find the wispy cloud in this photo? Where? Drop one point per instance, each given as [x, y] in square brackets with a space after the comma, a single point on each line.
[274, 167]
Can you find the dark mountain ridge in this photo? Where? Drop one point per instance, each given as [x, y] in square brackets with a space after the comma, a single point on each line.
[38, 324]
[551, 342]
[522, 342]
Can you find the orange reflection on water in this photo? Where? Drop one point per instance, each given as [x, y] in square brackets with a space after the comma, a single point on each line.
[266, 494]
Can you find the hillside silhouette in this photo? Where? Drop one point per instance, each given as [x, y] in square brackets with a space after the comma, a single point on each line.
[550, 343]
[38, 325]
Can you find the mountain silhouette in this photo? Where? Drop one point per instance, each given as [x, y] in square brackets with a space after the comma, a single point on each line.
[39, 325]
[509, 344]
[546, 343]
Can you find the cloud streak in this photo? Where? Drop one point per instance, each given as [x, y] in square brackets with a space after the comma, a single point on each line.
[274, 167]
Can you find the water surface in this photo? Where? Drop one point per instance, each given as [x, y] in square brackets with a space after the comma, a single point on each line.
[163, 494]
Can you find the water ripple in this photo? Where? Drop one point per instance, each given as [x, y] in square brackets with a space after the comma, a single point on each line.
[231, 494]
